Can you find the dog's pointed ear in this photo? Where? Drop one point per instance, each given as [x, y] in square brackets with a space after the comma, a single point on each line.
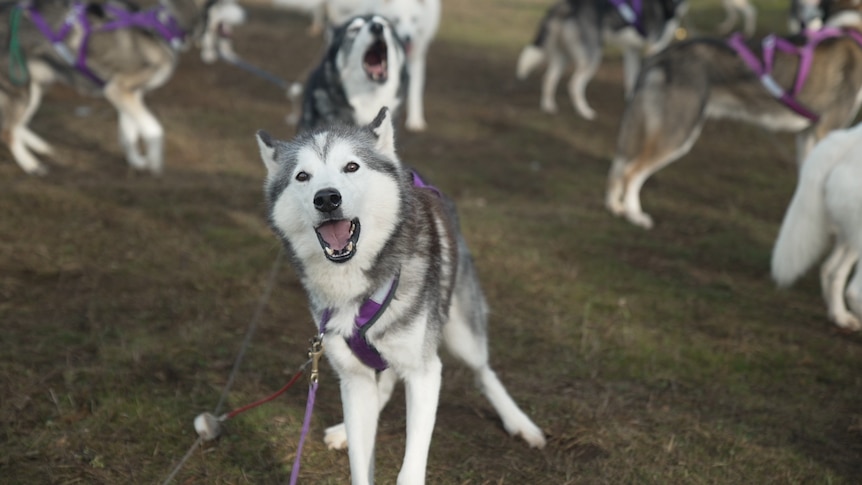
[384, 131]
[267, 151]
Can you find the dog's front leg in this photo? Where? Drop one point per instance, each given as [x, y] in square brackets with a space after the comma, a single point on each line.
[361, 410]
[422, 386]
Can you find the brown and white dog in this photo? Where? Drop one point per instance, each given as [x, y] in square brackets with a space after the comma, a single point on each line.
[121, 64]
[692, 81]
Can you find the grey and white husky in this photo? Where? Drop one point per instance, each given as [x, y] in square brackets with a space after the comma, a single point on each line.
[363, 70]
[120, 64]
[574, 31]
[692, 81]
[358, 226]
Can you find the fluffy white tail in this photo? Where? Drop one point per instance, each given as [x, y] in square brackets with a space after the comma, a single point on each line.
[531, 57]
[805, 232]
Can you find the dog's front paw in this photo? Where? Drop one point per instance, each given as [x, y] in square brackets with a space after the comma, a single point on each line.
[533, 436]
[335, 437]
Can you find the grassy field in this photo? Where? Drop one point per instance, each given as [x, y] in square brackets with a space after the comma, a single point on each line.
[654, 357]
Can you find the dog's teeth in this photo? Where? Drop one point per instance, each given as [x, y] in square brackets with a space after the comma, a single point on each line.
[349, 247]
[329, 251]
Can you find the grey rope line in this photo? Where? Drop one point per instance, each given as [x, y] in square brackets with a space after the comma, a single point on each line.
[273, 273]
[251, 329]
[182, 462]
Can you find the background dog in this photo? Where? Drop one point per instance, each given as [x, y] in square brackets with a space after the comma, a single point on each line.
[354, 222]
[128, 61]
[573, 31]
[416, 23]
[692, 81]
[363, 70]
[827, 208]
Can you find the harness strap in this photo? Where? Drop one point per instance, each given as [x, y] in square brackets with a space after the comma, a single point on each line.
[156, 19]
[632, 12]
[805, 52]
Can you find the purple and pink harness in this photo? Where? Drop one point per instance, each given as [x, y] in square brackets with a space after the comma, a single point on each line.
[156, 19]
[771, 44]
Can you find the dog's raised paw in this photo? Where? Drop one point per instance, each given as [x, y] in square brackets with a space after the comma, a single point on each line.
[335, 437]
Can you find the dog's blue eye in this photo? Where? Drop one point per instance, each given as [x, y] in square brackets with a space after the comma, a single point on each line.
[302, 177]
[351, 167]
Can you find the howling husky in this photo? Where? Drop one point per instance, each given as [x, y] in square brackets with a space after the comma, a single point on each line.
[109, 49]
[574, 31]
[388, 276]
[827, 208]
[809, 85]
[363, 70]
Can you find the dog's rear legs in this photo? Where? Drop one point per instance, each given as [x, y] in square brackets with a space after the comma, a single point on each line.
[19, 137]
[470, 345]
[557, 62]
[136, 123]
[833, 278]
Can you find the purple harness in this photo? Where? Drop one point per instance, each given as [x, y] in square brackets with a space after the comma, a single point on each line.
[157, 19]
[770, 44]
[371, 310]
[632, 12]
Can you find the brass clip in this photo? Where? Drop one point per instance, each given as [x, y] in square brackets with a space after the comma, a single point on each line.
[315, 351]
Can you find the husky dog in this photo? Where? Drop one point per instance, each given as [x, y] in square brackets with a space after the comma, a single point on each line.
[361, 227]
[575, 30]
[416, 23]
[692, 81]
[733, 9]
[827, 208]
[121, 64]
[363, 70]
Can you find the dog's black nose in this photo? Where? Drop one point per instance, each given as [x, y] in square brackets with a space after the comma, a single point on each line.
[376, 28]
[327, 200]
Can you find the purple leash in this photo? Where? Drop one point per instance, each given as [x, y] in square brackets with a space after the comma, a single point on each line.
[306, 424]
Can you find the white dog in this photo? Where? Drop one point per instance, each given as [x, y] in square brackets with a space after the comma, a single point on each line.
[827, 208]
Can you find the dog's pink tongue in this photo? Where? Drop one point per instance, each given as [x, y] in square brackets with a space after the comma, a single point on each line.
[335, 233]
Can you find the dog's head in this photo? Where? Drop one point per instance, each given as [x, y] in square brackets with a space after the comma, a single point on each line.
[334, 194]
[367, 52]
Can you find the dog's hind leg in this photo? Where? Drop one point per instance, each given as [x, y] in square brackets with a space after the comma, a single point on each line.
[335, 437]
[587, 54]
[557, 63]
[20, 107]
[137, 123]
[416, 88]
[466, 339]
[837, 283]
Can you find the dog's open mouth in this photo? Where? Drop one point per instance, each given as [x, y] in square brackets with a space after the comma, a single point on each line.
[374, 61]
[338, 239]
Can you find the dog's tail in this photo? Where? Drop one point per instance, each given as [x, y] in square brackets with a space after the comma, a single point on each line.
[533, 55]
[805, 233]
